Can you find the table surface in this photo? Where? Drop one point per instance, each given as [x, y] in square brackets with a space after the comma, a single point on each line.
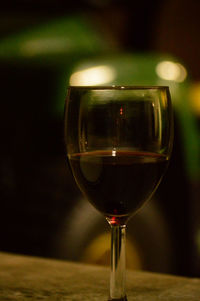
[30, 278]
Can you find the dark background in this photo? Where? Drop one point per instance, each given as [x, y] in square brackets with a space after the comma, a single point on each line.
[40, 204]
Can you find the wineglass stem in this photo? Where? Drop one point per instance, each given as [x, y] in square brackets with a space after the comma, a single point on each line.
[118, 262]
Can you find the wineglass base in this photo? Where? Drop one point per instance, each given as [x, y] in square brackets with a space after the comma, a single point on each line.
[120, 299]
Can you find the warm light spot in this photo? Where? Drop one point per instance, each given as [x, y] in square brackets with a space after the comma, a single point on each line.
[98, 252]
[194, 97]
[121, 111]
[171, 71]
[93, 76]
[114, 152]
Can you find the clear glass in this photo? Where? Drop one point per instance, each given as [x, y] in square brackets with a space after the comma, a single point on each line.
[118, 143]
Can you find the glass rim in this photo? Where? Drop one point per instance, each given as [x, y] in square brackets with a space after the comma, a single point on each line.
[120, 87]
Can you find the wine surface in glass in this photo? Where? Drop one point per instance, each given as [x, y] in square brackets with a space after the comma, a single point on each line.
[117, 183]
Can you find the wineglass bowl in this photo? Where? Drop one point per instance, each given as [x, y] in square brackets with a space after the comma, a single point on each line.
[118, 143]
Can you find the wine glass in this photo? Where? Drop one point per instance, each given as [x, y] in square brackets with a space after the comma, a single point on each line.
[118, 143]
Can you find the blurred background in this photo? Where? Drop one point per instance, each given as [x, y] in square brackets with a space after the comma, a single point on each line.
[44, 47]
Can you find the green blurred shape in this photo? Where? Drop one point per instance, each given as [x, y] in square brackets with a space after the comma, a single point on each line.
[57, 41]
[54, 46]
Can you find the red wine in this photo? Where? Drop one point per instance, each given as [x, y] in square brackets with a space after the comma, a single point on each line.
[117, 183]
